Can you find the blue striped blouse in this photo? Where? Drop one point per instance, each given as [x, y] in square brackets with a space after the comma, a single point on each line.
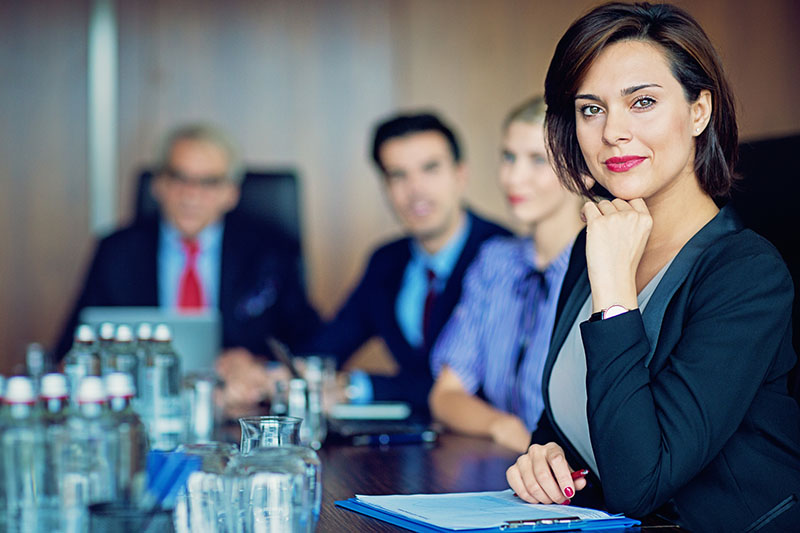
[497, 338]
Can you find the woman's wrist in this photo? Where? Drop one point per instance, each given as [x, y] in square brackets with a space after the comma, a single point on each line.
[498, 424]
[604, 296]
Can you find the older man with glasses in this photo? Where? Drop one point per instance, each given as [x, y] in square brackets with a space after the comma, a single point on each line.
[198, 255]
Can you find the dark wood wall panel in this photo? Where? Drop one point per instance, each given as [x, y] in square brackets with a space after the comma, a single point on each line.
[44, 230]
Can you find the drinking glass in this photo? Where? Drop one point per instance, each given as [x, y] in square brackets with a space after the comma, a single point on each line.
[125, 518]
[269, 491]
[267, 431]
[201, 505]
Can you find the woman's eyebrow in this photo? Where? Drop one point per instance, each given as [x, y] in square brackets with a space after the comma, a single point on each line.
[624, 92]
[588, 97]
[630, 90]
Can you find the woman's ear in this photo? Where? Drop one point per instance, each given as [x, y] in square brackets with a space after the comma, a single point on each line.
[701, 112]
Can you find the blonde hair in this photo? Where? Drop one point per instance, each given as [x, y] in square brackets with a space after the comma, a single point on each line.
[531, 111]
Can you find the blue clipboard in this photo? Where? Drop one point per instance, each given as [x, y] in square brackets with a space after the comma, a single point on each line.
[618, 523]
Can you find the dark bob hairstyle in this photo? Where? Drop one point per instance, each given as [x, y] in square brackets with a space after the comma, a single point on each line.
[694, 63]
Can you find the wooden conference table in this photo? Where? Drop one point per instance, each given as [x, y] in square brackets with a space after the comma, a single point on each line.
[454, 464]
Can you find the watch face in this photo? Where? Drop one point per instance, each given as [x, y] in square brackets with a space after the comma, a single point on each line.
[613, 311]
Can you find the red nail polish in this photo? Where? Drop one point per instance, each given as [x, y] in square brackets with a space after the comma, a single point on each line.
[565, 502]
[568, 492]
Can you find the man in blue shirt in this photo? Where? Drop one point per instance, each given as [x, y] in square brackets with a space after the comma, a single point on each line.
[198, 254]
[411, 284]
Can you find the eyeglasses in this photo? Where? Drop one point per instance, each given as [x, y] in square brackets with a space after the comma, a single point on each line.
[209, 182]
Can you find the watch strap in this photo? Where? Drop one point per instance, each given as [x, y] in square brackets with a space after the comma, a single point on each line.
[609, 312]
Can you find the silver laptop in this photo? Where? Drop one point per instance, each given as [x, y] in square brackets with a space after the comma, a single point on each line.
[196, 337]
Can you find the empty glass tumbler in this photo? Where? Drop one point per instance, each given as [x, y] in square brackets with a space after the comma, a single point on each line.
[270, 432]
[270, 491]
[201, 506]
[265, 431]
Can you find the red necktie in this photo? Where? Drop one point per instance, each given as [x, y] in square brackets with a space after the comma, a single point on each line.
[190, 292]
[429, 300]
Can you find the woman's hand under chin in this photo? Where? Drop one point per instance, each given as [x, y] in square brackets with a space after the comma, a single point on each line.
[616, 235]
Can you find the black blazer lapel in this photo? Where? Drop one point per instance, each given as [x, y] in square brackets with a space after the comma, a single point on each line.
[385, 298]
[447, 300]
[724, 223]
[231, 268]
[574, 291]
[143, 270]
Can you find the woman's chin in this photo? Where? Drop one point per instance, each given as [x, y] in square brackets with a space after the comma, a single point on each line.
[625, 193]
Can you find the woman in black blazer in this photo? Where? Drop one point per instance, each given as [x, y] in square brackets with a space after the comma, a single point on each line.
[667, 371]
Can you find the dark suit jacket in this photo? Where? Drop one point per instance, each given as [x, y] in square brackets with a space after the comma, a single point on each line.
[687, 403]
[261, 292]
[370, 312]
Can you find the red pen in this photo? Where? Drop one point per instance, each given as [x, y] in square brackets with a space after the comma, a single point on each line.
[583, 472]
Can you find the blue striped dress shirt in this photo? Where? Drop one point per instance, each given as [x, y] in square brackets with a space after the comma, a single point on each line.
[497, 339]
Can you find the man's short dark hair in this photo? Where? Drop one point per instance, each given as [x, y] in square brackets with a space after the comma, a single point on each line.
[403, 125]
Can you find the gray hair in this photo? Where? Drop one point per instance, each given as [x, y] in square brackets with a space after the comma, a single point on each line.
[206, 133]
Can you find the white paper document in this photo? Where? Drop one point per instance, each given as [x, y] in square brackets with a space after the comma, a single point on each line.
[474, 510]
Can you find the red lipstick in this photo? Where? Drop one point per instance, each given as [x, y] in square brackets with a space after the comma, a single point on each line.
[514, 199]
[623, 163]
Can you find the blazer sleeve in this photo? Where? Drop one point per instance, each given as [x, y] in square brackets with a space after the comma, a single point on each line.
[93, 293]
[461, 344]
[651, 434]
[350, 328]
[411, 384]
[299, 321]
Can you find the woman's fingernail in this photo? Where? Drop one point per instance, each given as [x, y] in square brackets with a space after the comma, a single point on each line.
[568, 492]
[565, 502]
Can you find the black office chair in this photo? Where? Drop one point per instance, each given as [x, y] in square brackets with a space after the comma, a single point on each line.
[766, 200]
[270, 198]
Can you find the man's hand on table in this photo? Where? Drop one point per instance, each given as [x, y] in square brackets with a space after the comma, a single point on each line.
[247, 379]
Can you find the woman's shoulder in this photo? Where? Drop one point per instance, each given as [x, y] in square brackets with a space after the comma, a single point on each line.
[502, 251]
[500, 258]
[743, 259]
[739, 245]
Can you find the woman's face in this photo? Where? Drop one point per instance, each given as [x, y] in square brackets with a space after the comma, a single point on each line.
[634, 125]
[529, 183]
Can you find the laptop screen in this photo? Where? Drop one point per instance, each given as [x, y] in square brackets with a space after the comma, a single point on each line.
[196, 337]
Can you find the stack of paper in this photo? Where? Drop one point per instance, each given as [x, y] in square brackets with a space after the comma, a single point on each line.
[480, 512]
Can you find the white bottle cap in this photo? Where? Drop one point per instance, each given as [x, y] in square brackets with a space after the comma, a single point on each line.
[54, 386]
[91, 390]
[162, 333]
[120, 385]
[106, 331]
[124, 333]
[84, 334]
[145, 331]
[19, 389]
[297, 384]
